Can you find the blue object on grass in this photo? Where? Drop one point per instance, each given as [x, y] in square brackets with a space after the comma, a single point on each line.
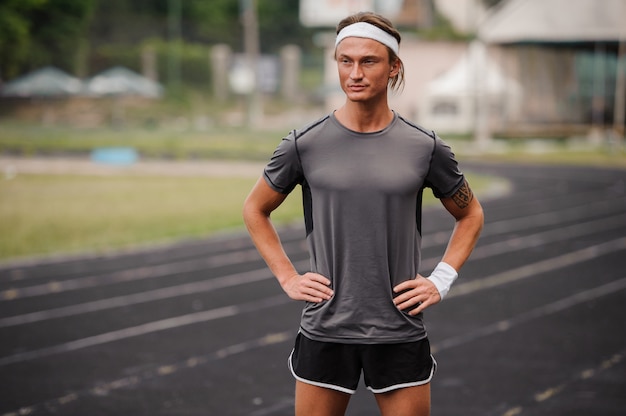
[114, 155]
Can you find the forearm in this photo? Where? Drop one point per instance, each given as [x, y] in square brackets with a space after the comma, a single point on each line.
[267, 242]
[463, 240]
[262, 200]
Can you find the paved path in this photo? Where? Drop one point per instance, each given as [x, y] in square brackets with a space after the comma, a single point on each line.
[534, 325]
[82, 165]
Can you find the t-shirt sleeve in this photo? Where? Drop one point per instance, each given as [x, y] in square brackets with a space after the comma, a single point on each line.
[444, 176]
[284, 171]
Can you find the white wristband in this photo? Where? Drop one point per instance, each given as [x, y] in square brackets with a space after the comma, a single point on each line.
[443, 276]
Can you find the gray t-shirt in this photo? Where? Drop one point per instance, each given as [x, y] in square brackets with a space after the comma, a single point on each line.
[362, 197]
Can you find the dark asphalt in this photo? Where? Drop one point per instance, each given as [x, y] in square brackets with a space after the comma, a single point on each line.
[535, 325]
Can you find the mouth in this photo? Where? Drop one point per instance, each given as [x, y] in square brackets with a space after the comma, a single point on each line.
[356, 87]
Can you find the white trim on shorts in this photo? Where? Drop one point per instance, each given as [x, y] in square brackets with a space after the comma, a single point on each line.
[375, 391]
[316, 383]
[404, 385]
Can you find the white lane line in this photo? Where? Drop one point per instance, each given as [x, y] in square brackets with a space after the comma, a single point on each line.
[197, 317]
[554, 217]
[570, 232]
[550, 392]
[128, 275]
[271, 339]
[160, 370]
[156, 326]
[186, 266]
[551, 218]
[278, 406]
[539, 312]
[543, 266]
[137, 298]
[501, 247]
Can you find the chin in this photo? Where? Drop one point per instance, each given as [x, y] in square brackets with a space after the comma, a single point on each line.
[357, 96]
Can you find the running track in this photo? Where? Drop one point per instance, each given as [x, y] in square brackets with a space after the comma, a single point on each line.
[535, 325]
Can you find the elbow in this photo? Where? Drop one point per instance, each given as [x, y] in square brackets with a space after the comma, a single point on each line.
[248, 213]
[474, 218]
[479, 219]
[478, 213]
[252, 214]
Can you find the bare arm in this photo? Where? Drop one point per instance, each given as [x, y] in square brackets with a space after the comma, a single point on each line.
[469, 217]
[257, 209]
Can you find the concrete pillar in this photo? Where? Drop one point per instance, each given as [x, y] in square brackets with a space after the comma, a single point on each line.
[290, 56]
[619, 112]
[149, 63]
[221, 56]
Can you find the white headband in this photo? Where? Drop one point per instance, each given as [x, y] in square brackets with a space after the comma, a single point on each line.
[369, 31]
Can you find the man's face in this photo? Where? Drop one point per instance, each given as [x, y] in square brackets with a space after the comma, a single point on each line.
[364, 68]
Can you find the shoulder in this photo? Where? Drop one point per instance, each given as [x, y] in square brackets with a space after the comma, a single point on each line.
[416, 128]
[309, 128]
[291, 145]
[426, 135]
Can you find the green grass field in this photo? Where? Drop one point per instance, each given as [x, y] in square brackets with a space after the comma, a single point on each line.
[51, 214]
[46, 214]
[167, 142]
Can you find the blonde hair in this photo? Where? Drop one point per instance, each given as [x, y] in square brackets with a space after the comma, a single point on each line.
[397, 82]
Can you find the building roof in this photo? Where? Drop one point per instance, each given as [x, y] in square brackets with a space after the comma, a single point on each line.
[516, 21]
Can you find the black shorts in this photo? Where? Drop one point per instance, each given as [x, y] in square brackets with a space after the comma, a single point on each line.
[385, 367]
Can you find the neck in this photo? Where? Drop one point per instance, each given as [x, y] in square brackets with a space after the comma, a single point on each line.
[364, 118]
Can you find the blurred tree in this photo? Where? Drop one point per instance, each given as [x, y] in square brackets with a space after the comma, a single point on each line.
[15, 34]
[123, 22]
[86, 36]
[218, 21]
[279, 25]
[59, 31]
[34, 33]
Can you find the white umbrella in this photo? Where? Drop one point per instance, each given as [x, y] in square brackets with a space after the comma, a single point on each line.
[123, 81]
[44, 82]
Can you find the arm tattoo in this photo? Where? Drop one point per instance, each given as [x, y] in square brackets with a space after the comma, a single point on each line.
[463, 196]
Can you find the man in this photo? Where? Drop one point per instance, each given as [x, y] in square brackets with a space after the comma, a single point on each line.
[362, 170]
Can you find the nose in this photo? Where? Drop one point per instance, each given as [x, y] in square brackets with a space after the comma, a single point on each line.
[356, 72]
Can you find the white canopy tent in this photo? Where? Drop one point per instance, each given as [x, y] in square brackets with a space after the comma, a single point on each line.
[449, 104]
[44, 82]
[123, 81]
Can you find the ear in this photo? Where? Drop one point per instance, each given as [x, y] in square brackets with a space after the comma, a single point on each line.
[395, 68]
